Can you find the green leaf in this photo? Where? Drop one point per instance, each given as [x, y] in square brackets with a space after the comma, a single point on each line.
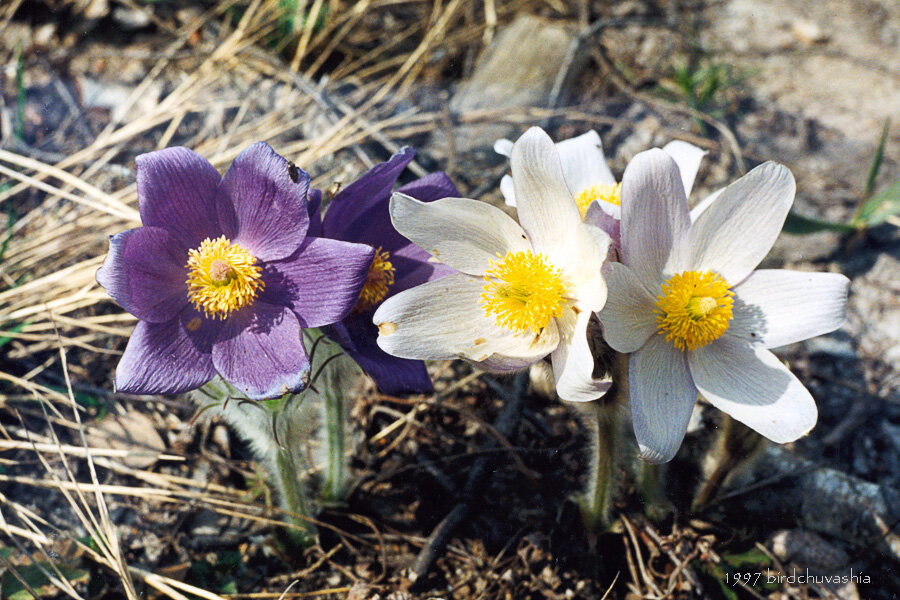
[37, 580]
[799, 225]
[879, 207]
[753, 556]
[5, 339]
[876, 160]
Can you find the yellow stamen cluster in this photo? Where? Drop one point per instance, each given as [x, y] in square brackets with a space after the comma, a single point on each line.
[223, 277]
[524, 291]
[600, 192]
[378, 281]
[694, 309]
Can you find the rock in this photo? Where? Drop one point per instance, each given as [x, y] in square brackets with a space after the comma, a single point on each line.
[822, 500]
[134, 431]
[807, 548]
[511, 74]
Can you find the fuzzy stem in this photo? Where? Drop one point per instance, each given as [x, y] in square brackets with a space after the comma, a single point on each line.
[294, 500]
[334, 486]
[595, 502]
[736, 445]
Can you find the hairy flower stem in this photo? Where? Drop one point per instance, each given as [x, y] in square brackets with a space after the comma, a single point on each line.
[294, 499]
[334, 488]
[603, 432]
[736, 446]
[334, 374]
[275, 430]
[603, 420]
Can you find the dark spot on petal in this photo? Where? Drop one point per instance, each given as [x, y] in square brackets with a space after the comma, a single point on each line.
[479, 341]
[293, 172]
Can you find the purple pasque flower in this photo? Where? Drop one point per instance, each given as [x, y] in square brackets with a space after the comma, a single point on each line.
[360, 213]
[223, 276]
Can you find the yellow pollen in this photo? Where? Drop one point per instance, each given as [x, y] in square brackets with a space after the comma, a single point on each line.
[694, 309]
[378, 281]
[524, 291]
[600, 192]
[222, 277]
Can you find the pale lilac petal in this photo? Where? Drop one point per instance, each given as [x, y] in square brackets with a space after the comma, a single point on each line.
[704, 204]
[177, 192]
[321, 282]
[655, 217]
[270, 217]
[750, 384]
[610, 223]
[687, 157]
[627, 317]
[508, 189]
[573, 363]
[167, 358]
[145, 273]
[662, 398]
[776, 307]
[443, 319]
[736, 232]
[546, 207]
[583, 162]
[260, 352]
[464, 234]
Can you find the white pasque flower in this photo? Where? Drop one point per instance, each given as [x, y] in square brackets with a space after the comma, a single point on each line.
[521, 292]
[592, 183]
[695, 316]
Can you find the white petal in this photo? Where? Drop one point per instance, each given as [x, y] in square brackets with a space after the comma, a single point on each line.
[508, 190]
[705, 203]
[627, 317]
[503, 147]
[749, 383]
[583, 162]
[443, 319]
[546, 207]
[573, 363]
[662, 398]
[464, 234]
[777, 307]
[655, 219]
[736, 232]
[687, 157]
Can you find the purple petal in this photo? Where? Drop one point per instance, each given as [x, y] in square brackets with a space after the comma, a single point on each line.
[145, 272]
[349, 211]
[168, 358]
[392, 375]
[177, 191]
[314, 206]
[433, 186]
[320, 282]
[413, 266]
[270, 217]
[260, 352]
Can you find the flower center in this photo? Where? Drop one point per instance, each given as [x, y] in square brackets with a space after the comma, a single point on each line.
[378, 281]
[524, 291]
[694, 309]
[601, 193]
[222, 277]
